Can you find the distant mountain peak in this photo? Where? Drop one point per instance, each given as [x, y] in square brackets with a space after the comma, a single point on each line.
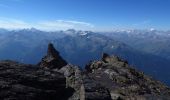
[70, 31]
[83, 33]
[33, 29]
[152, 29]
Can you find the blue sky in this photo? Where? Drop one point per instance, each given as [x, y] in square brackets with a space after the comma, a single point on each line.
[101, 15]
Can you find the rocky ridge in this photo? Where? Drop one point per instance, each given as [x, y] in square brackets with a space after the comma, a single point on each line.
[125, 82]
[110, 78]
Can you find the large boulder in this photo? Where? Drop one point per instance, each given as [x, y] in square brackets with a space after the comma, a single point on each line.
[74, 79]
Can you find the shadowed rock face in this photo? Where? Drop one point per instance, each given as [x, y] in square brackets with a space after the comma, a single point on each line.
[110, 78]
[52, 51]
[52, 59]
[28, 82]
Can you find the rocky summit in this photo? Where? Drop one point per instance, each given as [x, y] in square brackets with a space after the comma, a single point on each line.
[110, 78]
[52, 59]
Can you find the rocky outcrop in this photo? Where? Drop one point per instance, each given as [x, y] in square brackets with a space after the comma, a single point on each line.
[93, 90]
[110, 78]
[28, 82]
[52, 59]
[51, 79]
[74, 80]
[125, 82]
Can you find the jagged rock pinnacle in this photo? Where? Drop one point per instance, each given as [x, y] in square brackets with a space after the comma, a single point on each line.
[52, 51]
[52, 59]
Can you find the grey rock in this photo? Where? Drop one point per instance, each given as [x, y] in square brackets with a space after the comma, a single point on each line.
[123, 81]
[28, 82]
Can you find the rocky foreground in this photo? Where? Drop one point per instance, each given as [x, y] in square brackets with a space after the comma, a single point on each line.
[110, 78]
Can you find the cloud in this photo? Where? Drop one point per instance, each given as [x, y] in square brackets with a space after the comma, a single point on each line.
[45, 25]
[63, 25]
[13, 24]
[78, 23]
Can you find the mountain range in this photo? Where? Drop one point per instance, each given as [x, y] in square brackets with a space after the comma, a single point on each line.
[80, 47]
[151, 41]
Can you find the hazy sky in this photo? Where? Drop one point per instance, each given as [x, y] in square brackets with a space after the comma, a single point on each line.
[85, 14]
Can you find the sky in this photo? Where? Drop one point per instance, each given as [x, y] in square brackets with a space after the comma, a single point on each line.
[100, 15]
